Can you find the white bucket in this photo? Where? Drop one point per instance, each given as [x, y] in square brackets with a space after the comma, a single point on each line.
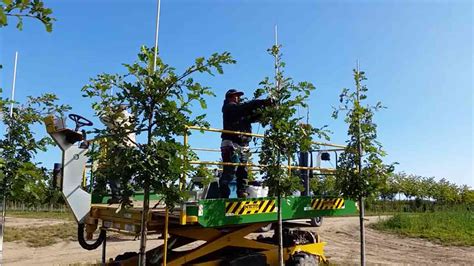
[257, 191]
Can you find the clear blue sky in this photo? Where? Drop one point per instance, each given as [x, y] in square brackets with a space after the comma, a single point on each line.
[417, 56]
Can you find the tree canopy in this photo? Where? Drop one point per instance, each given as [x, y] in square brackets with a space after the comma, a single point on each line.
[159, 102]
[285, 134]
[350, 180]
[20, 176]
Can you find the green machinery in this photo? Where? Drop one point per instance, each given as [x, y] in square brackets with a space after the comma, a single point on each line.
[201, 232]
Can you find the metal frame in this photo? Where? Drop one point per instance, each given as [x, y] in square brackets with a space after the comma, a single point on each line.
[233, 237]
[193, 220]
[289, 166]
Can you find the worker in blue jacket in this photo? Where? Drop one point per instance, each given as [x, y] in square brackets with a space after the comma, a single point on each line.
[237, 116]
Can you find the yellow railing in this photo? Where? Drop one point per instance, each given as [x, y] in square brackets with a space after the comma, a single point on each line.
[250, 165]
[255, 135]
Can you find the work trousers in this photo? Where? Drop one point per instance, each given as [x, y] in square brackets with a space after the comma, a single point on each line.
[233, 153]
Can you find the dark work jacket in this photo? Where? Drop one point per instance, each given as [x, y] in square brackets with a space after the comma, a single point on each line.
[239, 117]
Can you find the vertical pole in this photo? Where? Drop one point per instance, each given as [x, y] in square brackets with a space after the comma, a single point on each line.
[156, 33]
[361, 199]
[182, 181]
[280, 220]
[277, 67]
[12, 98]
[104, 250]
[4, 198]
[304, 173]
[146, 194]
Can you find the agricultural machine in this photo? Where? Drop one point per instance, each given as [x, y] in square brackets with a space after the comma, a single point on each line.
[222, 224]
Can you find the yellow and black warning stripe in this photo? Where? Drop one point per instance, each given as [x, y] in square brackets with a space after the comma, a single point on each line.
[327, 204]
[249, 207]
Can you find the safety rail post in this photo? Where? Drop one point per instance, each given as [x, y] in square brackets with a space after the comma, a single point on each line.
[185, 143]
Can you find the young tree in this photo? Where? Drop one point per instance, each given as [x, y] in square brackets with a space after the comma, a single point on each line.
[20, 177]
[160, 105]
[285, 135]
[389, 189]
[25, 8]
[447, 192]
[467, 195]
[361, 171]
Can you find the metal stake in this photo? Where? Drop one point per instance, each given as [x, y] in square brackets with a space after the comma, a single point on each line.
[104, 251]
[146, 195]
[280, 220]
[361, 199]
[14, 84]
[156, 33]
[4, 200]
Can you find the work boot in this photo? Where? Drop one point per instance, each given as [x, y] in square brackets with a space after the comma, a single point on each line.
[113, 200]
[242, 195]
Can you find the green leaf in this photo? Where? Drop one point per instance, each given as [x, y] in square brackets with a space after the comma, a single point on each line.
[19, 25]
[3, 18]
[203, 104]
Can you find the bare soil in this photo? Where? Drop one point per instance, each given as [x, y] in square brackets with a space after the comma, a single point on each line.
[341, 235]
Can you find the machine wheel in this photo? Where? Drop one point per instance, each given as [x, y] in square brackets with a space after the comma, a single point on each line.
[316, 221]
[303, 259]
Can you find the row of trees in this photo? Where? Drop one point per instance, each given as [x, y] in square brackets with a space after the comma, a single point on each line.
[402, 186]
[425, 188]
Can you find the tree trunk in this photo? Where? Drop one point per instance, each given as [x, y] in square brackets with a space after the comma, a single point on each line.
[144, 224]
[362, 231]
[280, 231]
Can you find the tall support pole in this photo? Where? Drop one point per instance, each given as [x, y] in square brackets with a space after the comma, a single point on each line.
[4, 197]
[146, 194]
[280, 220]
[277, 67]
[12, 98]
[361, 199]
[157, 28]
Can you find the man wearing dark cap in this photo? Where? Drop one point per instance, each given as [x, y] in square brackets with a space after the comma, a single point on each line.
[237, 116]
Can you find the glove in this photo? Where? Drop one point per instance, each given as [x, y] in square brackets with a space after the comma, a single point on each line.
[269, 102]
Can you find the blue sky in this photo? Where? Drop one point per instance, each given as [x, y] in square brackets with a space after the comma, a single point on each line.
[417, 56]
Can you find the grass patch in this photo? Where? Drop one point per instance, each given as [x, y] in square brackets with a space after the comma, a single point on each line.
[443, 227]
[68, 216]
[41, 236]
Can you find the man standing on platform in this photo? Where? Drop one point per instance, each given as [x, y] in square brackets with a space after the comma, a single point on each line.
[239, 117]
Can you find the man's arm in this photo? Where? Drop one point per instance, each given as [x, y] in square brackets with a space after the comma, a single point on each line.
[247, 108]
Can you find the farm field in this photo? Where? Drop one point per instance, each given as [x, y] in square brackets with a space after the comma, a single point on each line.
[341, 235]
[444, 227]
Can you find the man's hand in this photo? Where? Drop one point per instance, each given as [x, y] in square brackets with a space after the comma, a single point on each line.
[269, 102]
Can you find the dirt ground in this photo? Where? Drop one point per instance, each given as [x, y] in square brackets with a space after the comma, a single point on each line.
[341, 235]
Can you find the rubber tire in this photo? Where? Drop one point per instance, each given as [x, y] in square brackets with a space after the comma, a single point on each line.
[303, 259]
[83, 242]
[266, 228]
[316, 221]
